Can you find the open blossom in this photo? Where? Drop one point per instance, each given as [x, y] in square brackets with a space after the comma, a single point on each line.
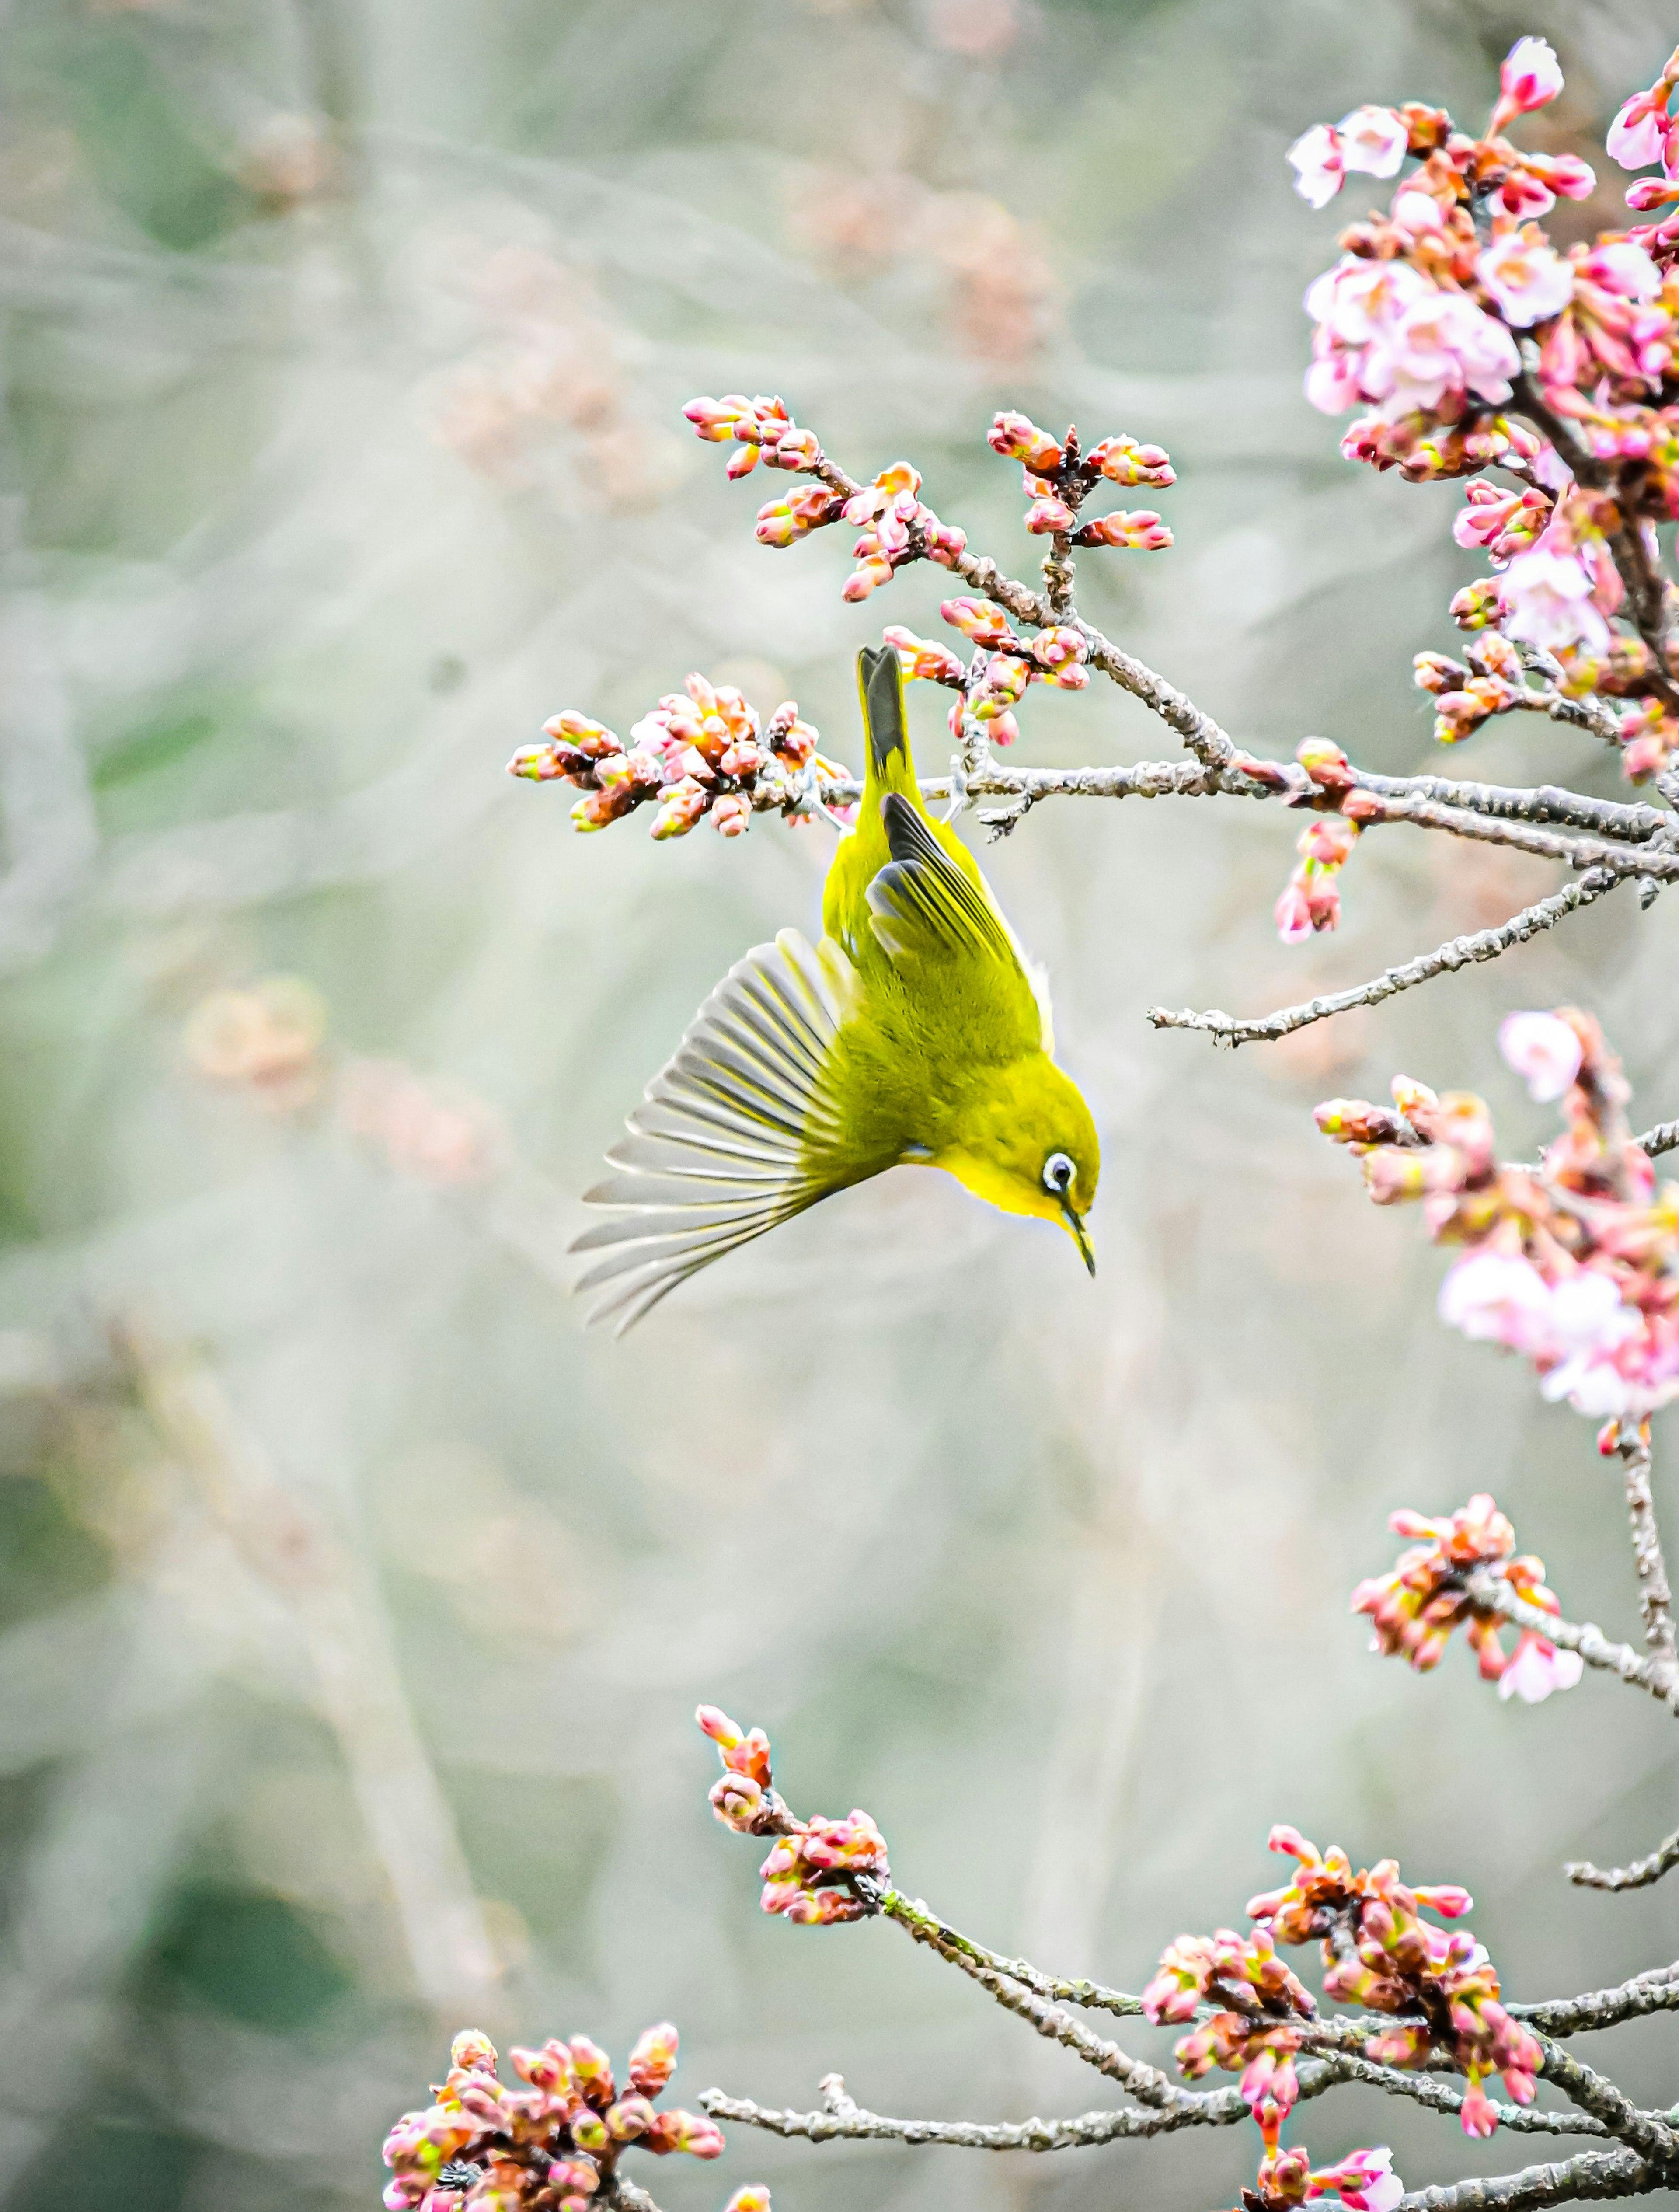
[1638, 135]
[1371, 140]
[1574, 1265]
[1544, 1051]
[1527, 276]
[1320, 164]
[1364, 2181]
[1386, 335]
[1548, 591]
[1537, 1667]
[1622, 266]
[1531, 77]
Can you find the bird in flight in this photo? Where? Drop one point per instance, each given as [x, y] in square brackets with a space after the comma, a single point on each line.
[915, 1034]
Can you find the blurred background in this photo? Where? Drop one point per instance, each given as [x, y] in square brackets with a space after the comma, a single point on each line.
[354, 1605]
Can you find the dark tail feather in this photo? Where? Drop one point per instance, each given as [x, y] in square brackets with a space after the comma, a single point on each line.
[881, 684]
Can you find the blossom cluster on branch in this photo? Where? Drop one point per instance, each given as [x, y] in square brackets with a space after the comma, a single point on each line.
[1414, 1608]
[811, 1875]
[1473, 344]
[699, 751]
[551, 2145]
[1574, 1263]
[1378, 1952]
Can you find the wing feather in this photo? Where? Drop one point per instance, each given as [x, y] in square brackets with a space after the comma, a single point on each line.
[721, 1150]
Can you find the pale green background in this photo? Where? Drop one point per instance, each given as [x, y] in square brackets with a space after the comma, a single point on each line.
[1051, 1577]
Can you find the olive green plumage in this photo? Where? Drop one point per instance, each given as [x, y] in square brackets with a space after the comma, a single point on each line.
[914, 1034]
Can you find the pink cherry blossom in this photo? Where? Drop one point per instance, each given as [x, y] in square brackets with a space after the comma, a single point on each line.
[1549, 592]
[1527, 276]
[1622, 266]
[1444, 342]
[1543, 1051]
[1537, 1667]
[1364, 2180]
[1531, 77]
[1637, 135]
[1372, 141]
[1418, 212]
[1319, 163]
[1497, 1297]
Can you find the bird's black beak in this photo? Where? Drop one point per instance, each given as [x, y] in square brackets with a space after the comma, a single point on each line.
[1079, 1236]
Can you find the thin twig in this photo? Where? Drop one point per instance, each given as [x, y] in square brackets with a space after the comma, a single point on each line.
[1647, 2133]
[1655, 1596]
[1592, 2173]
[1459, 952]
[1657, 1990]
[1663, 1138]
[918, 1921]
[843, 2119]
[1639, 1875]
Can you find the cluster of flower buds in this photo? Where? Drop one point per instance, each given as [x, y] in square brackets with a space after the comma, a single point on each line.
[701, 751]
[1464, 696]
[1256, 2030]
[484, 2145]
[815, 1873]
[1379, 1953]
[1059, 478]
[896, 528]
[1414, 1610]
[995, 680]
[1643, 133]
[1574, 1264]
[1364, 2181]
[1311, 899]
[761, 428]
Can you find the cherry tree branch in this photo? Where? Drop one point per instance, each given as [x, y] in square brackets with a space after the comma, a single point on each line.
[1494, 1596]
[1656, 1990]
[1592, 2173]
[842, 2118]
[1655, 1595]
[1638, 1876]
[1663, 1138]
[1458, 952]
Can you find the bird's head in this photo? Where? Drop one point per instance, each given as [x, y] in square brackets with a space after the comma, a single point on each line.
[1027, 1145]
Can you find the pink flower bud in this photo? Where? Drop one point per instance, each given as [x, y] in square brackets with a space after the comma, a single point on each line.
[589, 2131]
[1326, 763]
[1531, 77]
[1638, 133]
[592, 2071]
[1141, 530]
[652, 2060]
[731, 815]
[1018, 439]
[1123, 461]
[980, 620]
[742, 461]
[574, 2177]
[1044, 516]
[1650, 193]
[934, 664]
[715, 419]
[678, 2130]
[629, 2118]
[755, 2197]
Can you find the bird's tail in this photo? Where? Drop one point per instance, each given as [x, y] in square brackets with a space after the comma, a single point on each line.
[891, 763]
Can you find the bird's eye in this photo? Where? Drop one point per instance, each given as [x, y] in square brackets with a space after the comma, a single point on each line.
[1058, 1172]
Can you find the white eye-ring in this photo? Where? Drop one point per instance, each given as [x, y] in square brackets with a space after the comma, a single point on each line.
[1058, 1173]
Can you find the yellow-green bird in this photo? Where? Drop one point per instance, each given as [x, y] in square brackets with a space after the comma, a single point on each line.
[915, 1033]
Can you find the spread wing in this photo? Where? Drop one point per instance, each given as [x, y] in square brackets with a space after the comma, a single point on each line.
[926, 908]
[721, 1150]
